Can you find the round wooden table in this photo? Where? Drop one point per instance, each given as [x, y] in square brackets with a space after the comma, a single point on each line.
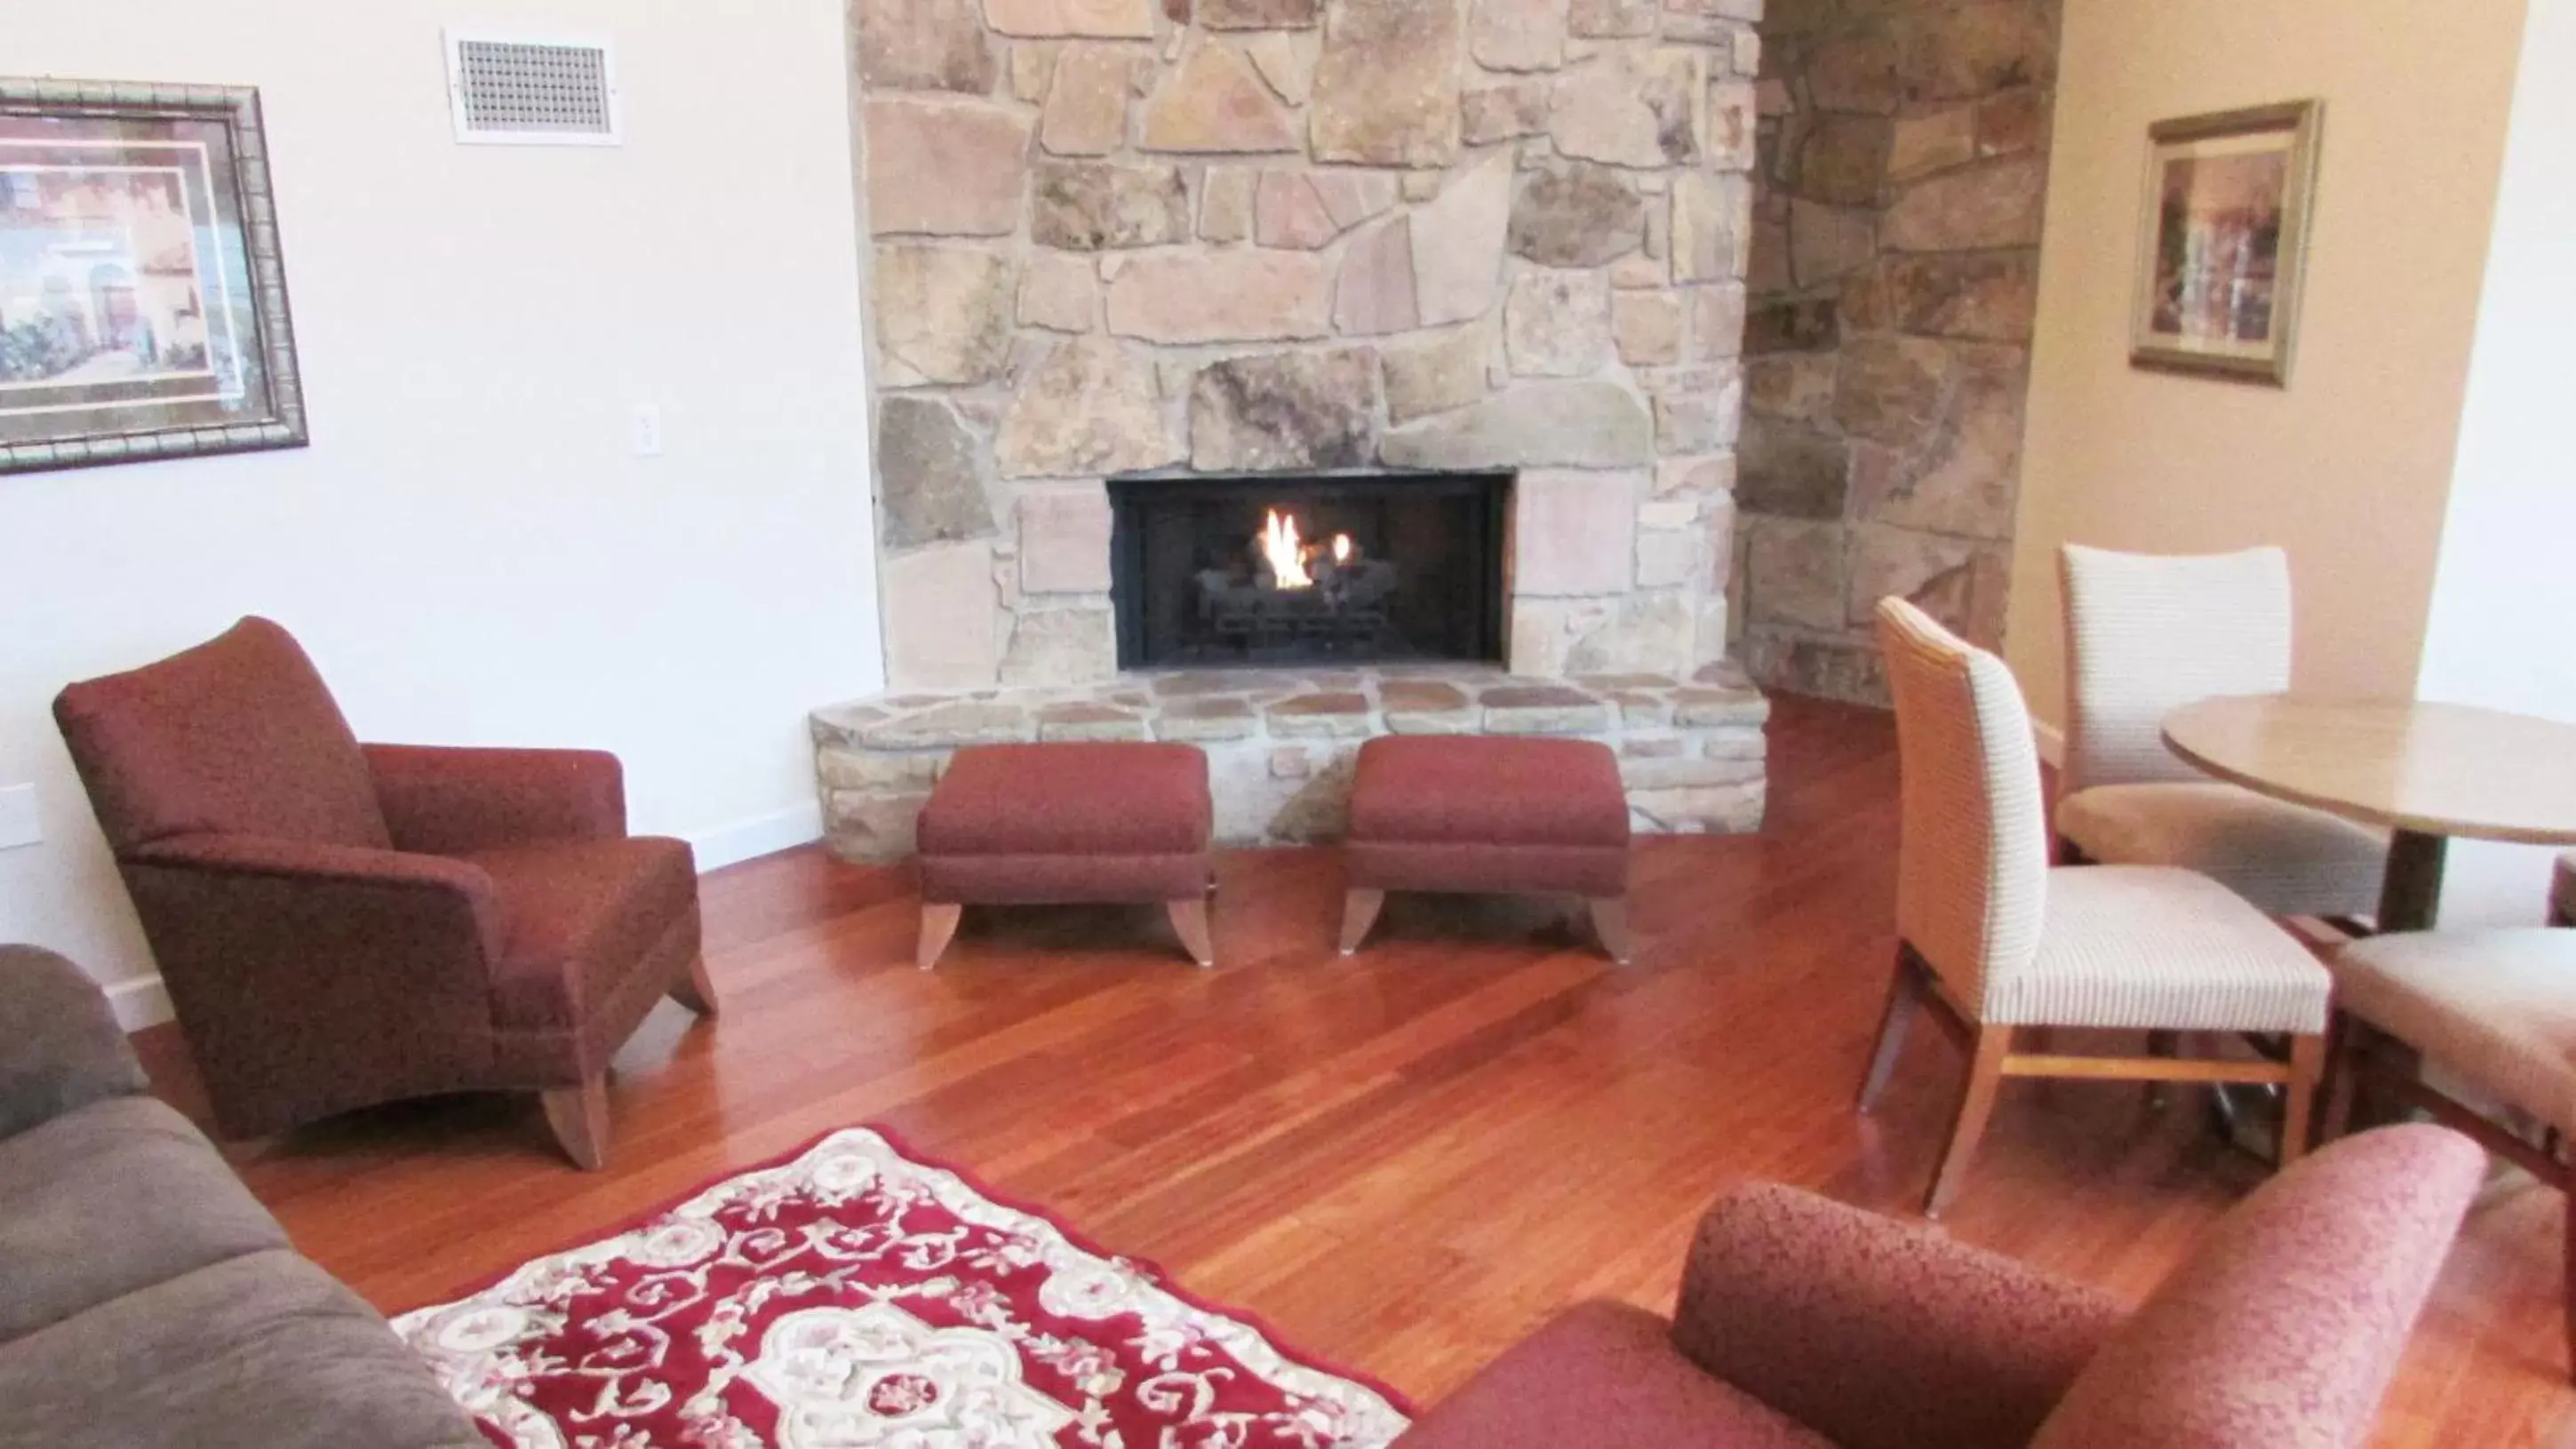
[2426, 772]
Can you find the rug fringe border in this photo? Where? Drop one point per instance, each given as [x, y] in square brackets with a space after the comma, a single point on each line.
[1169, 1282]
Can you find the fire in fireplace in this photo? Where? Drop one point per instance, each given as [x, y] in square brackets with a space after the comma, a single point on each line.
[1299, 570]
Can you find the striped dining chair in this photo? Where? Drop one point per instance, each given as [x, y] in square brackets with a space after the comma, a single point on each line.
[1998, 944]
[2145, 635]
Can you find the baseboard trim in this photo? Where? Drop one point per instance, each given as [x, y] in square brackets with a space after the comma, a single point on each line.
[145, 1002]
[758, 836]
[2051, 742]
[140, 1003]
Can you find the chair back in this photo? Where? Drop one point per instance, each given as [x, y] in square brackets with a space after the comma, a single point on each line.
[237, 735]
[2147, 634]
[2286, 1324]
[1972, 854]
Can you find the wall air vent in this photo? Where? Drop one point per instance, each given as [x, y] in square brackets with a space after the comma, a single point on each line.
[518, 92]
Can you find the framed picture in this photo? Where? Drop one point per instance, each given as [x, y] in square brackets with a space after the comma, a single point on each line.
[2222, 244]
[142, 295]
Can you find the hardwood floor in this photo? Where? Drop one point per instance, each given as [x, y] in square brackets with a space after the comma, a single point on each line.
[1404, 1160]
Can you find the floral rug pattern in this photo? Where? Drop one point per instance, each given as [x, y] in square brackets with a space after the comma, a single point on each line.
[853, 1298]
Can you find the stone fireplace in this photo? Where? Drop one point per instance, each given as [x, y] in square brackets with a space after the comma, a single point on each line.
[1121, 245]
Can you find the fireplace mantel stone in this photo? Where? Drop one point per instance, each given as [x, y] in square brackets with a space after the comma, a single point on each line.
[1281, 744]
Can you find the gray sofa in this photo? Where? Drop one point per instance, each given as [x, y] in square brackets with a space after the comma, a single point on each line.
[146, 1298]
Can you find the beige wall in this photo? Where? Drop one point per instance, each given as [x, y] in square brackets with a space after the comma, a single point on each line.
[2349, 469]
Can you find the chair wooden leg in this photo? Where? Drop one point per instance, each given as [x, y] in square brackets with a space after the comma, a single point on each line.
[2298, 1099]
[1610, 928]
[1359, 914]
[2162, 1043]
[2350, 1059]
[698, 993]
[938, 926]
[1904, 1000]
[578, 1116]
[1190, 923]
[1976, 1108]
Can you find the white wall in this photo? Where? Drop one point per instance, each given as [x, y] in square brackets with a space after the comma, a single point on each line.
[2502, 631]
[468, 549]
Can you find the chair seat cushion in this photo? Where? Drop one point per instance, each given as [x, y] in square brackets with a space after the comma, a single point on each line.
[579, 917]
[1116, 821]
[2287, 859]
[2145, 947]
[117, 1196]
[2497, 1008]
[1488, 813]
[1604, 1376]
[262, 1350]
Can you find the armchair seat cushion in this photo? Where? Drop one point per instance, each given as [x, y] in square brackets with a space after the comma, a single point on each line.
[1604, 1376]
[578, 916]
[109, 1199]
[2288, 860]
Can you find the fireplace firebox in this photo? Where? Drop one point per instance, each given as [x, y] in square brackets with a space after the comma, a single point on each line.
[1289, 569]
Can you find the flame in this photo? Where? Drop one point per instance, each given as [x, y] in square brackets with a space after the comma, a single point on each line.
[1286, 553]
[1341, 548]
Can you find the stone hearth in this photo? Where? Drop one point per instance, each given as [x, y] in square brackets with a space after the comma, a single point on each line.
[1183, 237]
[1281, 744]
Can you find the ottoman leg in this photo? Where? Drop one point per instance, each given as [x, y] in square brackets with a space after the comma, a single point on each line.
[1610, 924]
[938, 925]
[1360, 906]
[1190, 923]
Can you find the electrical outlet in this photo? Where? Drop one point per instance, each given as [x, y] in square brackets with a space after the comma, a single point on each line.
[646, 426]
[18, 823]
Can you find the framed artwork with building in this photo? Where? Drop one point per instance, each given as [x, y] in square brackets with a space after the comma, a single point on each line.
[142, 293]
[2222, 241]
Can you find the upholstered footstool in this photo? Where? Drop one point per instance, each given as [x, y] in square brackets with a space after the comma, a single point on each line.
[1490, 815]
[1063, 823]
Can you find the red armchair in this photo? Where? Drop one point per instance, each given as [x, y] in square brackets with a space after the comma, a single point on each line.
[343, 924]
[1805, 1324]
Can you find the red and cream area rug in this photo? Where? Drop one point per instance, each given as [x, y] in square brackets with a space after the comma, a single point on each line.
[853, 1298]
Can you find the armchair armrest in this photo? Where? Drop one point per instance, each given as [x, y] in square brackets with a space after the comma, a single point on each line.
[1876, 1334]
[60, 1046]
[447, 801]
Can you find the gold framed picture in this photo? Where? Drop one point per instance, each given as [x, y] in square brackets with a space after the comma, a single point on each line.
[2222, 241]
[142, 294]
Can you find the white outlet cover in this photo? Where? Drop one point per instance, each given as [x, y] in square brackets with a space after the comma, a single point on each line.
[18, 823]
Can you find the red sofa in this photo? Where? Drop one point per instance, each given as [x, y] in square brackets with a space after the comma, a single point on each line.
[1805, 1324]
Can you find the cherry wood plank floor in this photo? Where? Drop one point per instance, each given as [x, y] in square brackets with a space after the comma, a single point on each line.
[1403, 1161]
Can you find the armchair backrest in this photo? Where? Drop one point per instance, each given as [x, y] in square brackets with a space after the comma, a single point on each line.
[1972, 849]
[2287, 1323]
[237, 735]
[2147, 634]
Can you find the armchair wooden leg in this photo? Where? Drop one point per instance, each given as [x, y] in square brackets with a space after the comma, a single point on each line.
[1904, 999]
[698, 993]
[578, 1116]
[2298, 1099]
[1190, 923]
[938, 925]
[1976, 1108]
[1359, 914]
[1610, 927]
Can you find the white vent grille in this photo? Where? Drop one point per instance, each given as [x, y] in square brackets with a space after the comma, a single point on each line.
[532, 93]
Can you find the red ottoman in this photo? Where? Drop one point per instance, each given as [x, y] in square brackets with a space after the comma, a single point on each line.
[1051, 824]
[1488, 814]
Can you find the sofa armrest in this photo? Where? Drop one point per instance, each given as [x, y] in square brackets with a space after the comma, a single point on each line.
[446, 801]
[60, 1046]
[1876, 1334]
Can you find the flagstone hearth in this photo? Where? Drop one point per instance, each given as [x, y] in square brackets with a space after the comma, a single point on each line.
[1282, 744]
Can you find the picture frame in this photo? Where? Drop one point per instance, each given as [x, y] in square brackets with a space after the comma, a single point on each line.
[2223, 240]
[143, 309]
